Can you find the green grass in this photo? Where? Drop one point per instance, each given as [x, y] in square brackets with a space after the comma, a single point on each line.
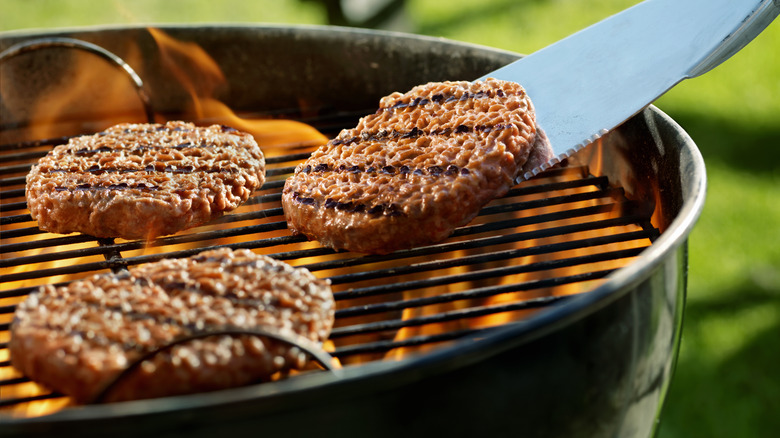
[30, 14]
[727, 382]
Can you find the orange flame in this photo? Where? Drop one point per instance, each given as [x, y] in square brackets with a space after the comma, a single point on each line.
[200, 75]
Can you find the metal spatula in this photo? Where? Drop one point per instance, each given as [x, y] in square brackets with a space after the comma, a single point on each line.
[594, 80]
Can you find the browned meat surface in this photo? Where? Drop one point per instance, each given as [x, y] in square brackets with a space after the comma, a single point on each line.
[78, 338]
[140, 181]
[422, 165]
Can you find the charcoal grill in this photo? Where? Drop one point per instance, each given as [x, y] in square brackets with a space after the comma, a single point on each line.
[556, 312]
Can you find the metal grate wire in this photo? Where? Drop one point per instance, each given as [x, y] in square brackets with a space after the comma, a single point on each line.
[552, 237]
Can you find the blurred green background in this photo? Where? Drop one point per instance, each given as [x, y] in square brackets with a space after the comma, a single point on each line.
[727, 382]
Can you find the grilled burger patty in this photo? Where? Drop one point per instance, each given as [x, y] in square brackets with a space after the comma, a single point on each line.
[422, 165]
[140, 181]
[78, 338]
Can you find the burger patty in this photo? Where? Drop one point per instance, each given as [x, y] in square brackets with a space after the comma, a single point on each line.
[422, 165]
[140, 181]
[78, 338]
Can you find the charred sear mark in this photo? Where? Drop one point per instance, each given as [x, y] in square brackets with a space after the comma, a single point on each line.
[383, 135]
[148, 129]
[96, 169]
[86, 152]
[441, 98]
[391, 210]
[225, 128]
[121, 186]
[450, 170]
[141, 150]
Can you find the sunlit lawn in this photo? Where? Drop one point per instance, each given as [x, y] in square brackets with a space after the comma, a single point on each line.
[728, 377]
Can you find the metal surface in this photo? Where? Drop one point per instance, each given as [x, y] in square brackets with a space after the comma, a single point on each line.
[591, 364]
[38, 44]
[589, 83]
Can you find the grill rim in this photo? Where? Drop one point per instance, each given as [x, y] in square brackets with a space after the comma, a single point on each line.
[446, 359]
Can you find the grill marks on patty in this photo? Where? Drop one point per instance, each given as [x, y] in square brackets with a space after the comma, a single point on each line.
[437, 99]
[384, 135]
[351, 207]
[130, 172]
[449, 170]
[402, 172]
[447, 97]
[79, 337]
[421, 165]
[138, 181]
[173, 157]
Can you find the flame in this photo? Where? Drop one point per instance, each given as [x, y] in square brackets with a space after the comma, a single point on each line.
[202, 78]
[274, 136]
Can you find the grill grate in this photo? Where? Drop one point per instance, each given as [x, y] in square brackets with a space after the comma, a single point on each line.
[549, 238]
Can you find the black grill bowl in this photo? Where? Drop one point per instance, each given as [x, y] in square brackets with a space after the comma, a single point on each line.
[597, 365]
